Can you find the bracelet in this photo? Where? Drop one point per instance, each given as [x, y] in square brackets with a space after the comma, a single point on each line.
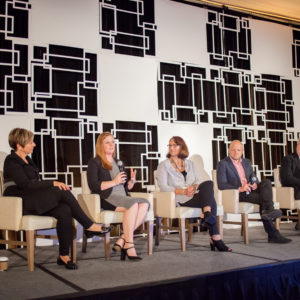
[133, 181]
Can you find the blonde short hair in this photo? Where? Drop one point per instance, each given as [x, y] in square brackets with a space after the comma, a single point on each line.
[19, 136]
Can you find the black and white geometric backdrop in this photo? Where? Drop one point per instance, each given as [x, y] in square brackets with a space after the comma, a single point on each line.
[146, 70]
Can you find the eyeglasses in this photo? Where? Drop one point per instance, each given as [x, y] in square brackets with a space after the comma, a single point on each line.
[173, 145]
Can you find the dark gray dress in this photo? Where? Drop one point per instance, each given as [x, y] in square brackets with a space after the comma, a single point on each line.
[118, 197]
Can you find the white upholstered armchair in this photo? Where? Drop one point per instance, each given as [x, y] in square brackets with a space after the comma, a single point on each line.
[165, 207]
[285, 197]
[90, 203]
[230, 201]
[11, 219]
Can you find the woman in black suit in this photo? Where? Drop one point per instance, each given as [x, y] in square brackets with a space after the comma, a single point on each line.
[43, 197]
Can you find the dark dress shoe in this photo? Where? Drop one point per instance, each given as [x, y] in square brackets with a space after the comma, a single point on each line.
[271, 214]
[278, 239]
[91, 233]
[220, 245]
[69, 265]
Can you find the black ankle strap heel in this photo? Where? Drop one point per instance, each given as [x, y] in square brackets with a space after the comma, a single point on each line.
[124, 253]
[117, 247]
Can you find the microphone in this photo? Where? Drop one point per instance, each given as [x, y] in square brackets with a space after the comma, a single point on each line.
[121, 166]
[253, 180]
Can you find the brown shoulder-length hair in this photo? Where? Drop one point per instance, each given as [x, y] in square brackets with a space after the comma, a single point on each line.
[100, 150]
[184, 151]
[19, 136]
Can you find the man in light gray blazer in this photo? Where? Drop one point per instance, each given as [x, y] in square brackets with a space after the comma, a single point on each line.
[235, 172]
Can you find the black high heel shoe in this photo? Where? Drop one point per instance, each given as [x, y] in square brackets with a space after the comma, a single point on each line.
[124, 253]
[69, 265]
[220, 245]
[117, 247]
[91, 233]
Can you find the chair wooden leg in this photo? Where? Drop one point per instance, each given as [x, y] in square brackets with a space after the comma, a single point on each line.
[182, 233]
[242, 226]
[220, 225]
[73, 247]
[298, 211]
[190, 233]
[198, 227]
[84, 243]
[150, 237]
[107, 244]
[277, 223]
[245, 227]
[12, 236]
[30, 241]
[157, 231]
[167, 223]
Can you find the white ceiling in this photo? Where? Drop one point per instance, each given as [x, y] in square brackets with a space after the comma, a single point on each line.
[286, 9]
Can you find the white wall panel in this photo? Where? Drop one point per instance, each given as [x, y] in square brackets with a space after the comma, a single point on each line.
[7, 123]
[128, 88]
[271, 48]
[179, 25]
[65, 22]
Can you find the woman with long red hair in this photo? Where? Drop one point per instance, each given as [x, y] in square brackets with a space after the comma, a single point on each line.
[106, 179]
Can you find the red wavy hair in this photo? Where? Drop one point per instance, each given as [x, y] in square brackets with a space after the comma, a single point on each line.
[100, 150]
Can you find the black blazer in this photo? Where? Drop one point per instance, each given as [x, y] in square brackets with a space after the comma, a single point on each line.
[25, 176]
[96, 174]
[227, 175]
[290, 173]
[23, 180]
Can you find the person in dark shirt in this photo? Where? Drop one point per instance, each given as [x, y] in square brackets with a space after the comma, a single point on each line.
[43, 197]
[290, 173]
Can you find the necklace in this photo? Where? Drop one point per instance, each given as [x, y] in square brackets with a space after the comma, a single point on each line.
[175, 165]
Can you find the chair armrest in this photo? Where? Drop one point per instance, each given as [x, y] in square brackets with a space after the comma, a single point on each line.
[164, 204]
[218, 196]
[90, 204]
[147, 196]
[10, 213]
[230, 201]
[274, 194]
[285, 196]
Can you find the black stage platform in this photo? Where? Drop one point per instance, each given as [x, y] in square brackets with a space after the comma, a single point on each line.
[256, 271]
